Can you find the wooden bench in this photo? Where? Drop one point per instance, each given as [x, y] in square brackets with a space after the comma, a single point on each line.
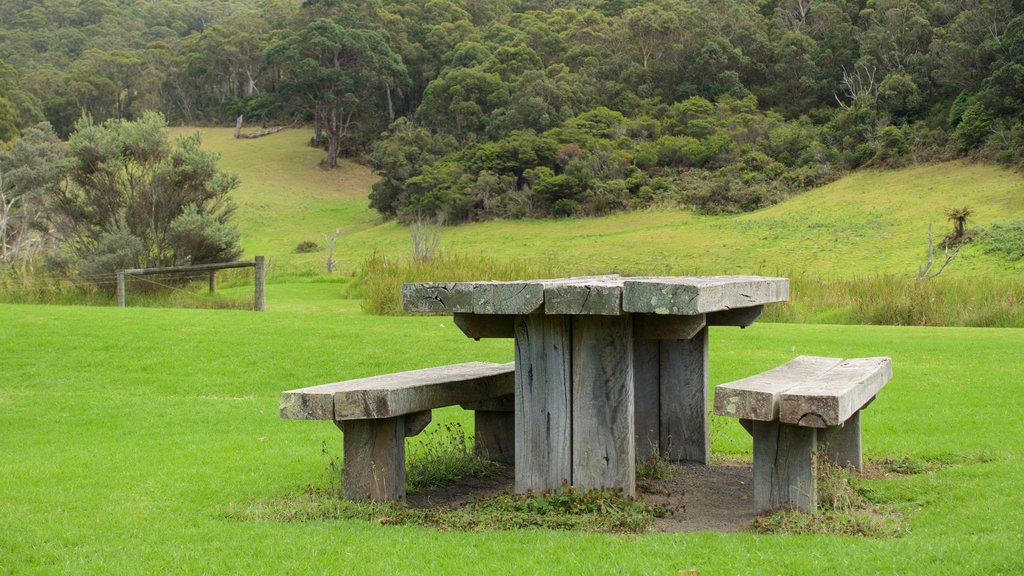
[376, 414]
[791, 409]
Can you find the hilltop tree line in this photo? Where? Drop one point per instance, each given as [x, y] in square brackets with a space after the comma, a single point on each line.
[478, 109]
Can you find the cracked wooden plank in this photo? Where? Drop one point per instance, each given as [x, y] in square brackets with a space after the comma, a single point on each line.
[438, 297]
[522, 297]
[598, 295]
[690, 295]
[831, 398]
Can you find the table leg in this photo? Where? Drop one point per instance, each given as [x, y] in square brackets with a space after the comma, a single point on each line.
[684, 399]
[543, 446]
[603, 441]
[646, 385]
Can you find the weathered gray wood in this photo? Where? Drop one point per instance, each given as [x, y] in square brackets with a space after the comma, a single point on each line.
[837, 394]
[685, 434]
[438, 297]
[213, 281]
[396, 394]
[657, 327]
[842, 444]
[479, 326]
[748, 425]
[120, 289]
[506, 403]
[543, 402]
[374, 458]
[741, 317]
[757, 397]
[416, 422]
[601, 295]
[495, 436]
[604, 445]
[260, 282]
[194, 268]
[784, 467]
[646, 390]
[507, 297]
[700, 294]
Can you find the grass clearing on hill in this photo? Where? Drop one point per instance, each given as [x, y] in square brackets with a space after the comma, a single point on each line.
[127, 434]
[869, 223]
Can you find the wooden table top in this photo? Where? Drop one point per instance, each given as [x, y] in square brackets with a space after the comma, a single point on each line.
[599, 295]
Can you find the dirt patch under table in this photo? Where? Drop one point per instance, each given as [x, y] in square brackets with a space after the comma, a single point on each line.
[717, 498]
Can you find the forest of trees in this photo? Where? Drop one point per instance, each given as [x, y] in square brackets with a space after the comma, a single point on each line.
[507, 108]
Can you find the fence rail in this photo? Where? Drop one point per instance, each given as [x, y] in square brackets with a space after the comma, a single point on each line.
[258, 263]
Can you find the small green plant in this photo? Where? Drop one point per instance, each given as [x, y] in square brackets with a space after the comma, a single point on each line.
[306, 246]
[443, 456]
[654, 467]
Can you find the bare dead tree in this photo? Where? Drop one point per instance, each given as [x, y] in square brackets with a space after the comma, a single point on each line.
[858, 84]
[426, 236]
[6, 208]
[951, 252]
[330, 249]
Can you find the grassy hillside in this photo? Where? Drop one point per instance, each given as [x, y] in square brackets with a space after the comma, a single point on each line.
[866, 223]
[129, 462]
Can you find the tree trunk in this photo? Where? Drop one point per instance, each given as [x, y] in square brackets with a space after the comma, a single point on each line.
[333, 139]
[391, 106]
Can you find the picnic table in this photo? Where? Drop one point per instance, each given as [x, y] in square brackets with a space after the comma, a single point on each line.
[607, 368]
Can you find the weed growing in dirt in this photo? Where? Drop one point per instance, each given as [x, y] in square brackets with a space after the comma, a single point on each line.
[563, 509]
[443, 456]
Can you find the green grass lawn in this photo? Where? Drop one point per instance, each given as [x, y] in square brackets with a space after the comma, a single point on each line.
[126, 435]
[867, 223]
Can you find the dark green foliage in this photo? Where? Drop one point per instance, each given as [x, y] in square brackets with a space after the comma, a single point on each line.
[655, 100]
[134, 199]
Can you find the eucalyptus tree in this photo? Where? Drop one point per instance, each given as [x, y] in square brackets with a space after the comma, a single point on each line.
[341, 76]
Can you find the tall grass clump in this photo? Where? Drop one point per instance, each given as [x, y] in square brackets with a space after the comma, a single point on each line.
[381, 277]
[141, 291]
[980, 301]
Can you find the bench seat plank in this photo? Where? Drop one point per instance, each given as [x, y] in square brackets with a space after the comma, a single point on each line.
[397, 394]
[831, 398]
[757, 397]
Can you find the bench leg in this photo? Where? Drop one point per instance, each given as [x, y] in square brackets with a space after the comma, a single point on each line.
[374, 459]
[842, 444]
[495, 436]
[784, 467]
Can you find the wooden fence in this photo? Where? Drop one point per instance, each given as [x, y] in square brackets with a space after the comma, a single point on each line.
[260, 277]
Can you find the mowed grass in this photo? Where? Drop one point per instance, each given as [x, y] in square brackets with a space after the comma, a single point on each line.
[127, 435]
[870, 222]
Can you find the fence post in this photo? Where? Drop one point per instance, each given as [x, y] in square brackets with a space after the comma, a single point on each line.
[259, 300]
[213, 281]
[120, 288]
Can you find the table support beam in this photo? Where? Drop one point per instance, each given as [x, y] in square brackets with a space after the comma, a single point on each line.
[646, 383]
[603, 444]
[543, 392]
[684, 399]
